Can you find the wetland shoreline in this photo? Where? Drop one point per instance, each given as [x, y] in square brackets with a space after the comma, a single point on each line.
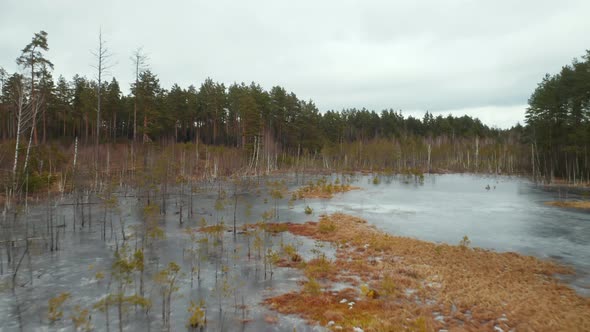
[398, 283]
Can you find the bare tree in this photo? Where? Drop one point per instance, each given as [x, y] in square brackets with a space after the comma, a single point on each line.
[139, 59]
[21, 114]
[26, 115]
[103, 64]
[3, 75]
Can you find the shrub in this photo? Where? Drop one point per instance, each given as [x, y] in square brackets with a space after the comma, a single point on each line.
[465, 242]
[312, 287]
[39, 181]
[387, 285]
[197, 315]
[54, 311]
[81, 319]
[326, 226]
[319, 268]
[291, 252]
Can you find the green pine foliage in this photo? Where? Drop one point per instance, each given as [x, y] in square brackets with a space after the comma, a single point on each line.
[558, 120]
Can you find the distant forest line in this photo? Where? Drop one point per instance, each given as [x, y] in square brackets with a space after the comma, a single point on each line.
[273, 128]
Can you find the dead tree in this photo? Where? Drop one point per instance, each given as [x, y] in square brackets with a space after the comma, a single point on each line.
[102, 56]
[139, 59]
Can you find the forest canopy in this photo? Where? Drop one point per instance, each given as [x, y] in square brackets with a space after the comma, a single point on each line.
[558, 120]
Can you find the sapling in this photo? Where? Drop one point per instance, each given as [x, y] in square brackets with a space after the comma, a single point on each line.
[123, 267]
[167, 279]
[192, 251]
[54, 310]
[81, 319]
[272, 257]
[224, 289]
[181, 180]
[277, 189]
[196, 251]
[465, 242]
[240, 185]
[197, 315]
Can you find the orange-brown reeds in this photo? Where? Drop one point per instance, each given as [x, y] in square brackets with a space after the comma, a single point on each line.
[408, 284]
[583, 205]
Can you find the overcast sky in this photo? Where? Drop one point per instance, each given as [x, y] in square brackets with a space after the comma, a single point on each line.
[481, 58]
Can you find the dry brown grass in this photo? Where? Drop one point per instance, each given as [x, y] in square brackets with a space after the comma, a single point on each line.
[561, 182]
[473, 289]
[371, 315]
[584, 205]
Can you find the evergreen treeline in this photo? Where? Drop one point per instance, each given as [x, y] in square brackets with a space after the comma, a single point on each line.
[216, 114]
[236, 115]
[558, 122]
[273, 126]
